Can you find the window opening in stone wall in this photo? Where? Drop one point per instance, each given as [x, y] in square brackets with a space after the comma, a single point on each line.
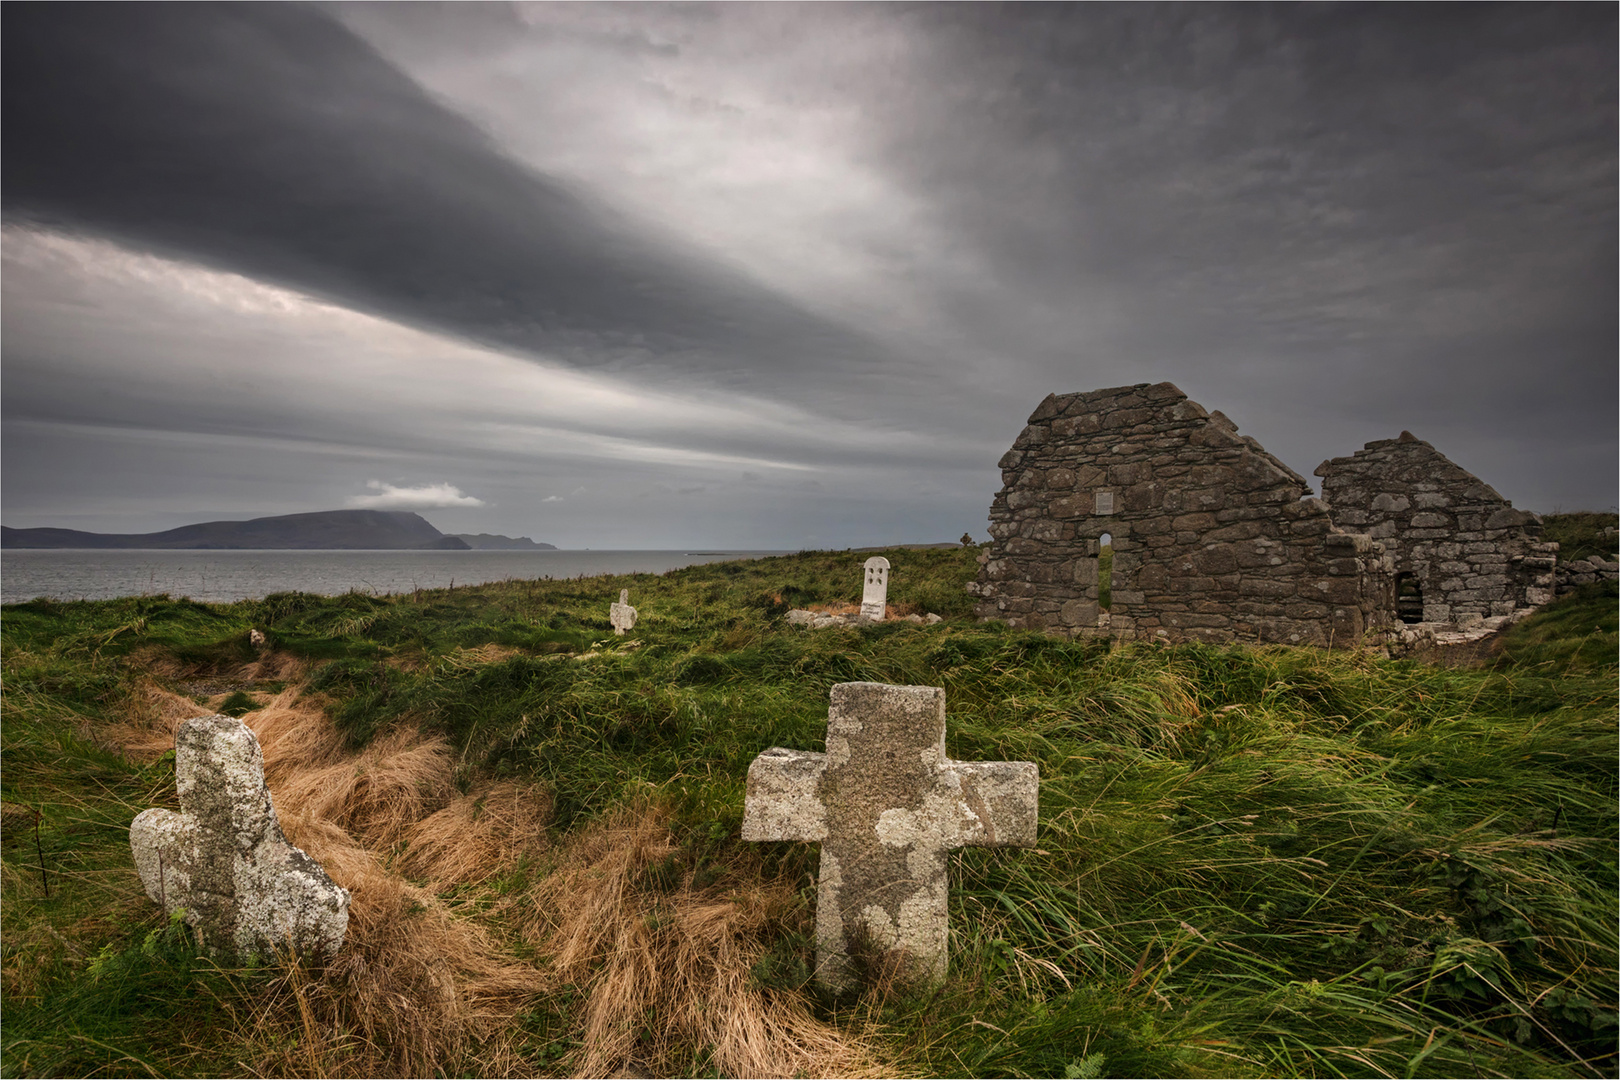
[1105, 571]
[1408, 597]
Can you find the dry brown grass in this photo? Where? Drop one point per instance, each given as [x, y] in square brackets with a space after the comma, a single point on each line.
[418, 989]
[682, 957]
[428, 981]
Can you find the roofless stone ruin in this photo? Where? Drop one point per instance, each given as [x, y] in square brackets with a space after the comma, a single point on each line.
[1462, 553]
[1212, 538]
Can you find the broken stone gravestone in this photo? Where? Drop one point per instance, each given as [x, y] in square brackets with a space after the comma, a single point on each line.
[622, 615]
[245, 890]
[875, 596]
[887, 805]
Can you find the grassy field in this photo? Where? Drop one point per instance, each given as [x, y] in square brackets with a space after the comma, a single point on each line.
[1268, 861]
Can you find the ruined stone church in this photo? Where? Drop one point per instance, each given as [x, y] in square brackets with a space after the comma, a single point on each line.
[1134, 512]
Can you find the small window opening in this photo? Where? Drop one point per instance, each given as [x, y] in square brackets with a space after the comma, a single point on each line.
[1105, 571]
[1408, 597]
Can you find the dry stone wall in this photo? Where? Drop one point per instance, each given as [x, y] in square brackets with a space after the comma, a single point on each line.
[1573, 575]
[1212, 537]
[1462, 553]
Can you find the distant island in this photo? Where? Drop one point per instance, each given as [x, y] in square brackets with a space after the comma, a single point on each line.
[373, 530]
[497, 542]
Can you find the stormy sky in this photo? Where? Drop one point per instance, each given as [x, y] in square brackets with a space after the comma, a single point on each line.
[782, 275]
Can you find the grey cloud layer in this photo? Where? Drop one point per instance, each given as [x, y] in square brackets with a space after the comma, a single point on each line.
[271, 140]
[1331, 222]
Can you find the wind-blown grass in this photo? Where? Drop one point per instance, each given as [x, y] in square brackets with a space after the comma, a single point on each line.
[1252, 860]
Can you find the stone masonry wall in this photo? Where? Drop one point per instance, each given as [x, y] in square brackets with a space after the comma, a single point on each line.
[1572, 575]
[1213, 538]
[1470, 554]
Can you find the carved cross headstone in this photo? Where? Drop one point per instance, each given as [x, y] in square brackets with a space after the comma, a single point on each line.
[875, 596]
[887, 805]
[622, 615]
[223, 858]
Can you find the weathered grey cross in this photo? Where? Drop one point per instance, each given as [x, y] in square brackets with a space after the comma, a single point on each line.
[622, 615]
[887, 805]
[244, 888]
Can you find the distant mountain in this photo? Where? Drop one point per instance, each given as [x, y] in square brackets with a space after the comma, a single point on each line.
[497, 542]
[378, 530]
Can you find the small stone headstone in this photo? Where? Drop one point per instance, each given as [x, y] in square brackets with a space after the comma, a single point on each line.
[223, 858]
[886, 805]
[622, 615]
[875, 595]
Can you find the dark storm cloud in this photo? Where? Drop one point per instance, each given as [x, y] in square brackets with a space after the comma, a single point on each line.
[271, 140]
[859, 241]
[1414, 196]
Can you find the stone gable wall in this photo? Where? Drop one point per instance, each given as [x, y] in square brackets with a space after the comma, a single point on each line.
[1472, 555]
[1213, 538]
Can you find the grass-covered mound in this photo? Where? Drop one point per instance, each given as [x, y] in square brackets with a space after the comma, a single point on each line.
[1266, 861]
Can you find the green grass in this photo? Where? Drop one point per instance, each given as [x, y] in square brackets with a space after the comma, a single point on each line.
[1252, 861]
[1582, 534]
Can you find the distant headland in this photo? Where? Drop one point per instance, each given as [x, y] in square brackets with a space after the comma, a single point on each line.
[373, 530]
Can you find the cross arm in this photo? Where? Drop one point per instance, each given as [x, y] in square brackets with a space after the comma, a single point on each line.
[1001, 800]
[784, 799]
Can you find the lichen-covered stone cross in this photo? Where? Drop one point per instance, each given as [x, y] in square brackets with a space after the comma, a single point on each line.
[887, 805]
[622, 615]
[244, 888]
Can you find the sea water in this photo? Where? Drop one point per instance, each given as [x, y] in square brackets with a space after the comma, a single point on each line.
[223, 576]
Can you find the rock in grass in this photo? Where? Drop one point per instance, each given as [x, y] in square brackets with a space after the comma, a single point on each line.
[245, 890]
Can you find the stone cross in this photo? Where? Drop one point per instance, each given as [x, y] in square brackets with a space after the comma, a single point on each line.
[223, 858]
[875, 596]
[887, 805]
[622, 615]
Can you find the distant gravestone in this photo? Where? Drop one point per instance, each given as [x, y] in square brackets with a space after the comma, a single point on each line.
[622, 615]
[223, 858]
[875, 595]
[887, 806]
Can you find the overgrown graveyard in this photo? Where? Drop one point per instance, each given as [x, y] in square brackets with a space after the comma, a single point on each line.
[1250, 861]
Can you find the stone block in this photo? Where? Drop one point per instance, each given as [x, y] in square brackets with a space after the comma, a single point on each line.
[1390, 503]
[1071, 506]
[1079, 613]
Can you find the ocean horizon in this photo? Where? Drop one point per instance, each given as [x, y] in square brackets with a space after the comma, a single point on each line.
[224, 576]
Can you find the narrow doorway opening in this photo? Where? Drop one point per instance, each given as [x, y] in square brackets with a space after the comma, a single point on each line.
[1408, 597]
[1105, 571]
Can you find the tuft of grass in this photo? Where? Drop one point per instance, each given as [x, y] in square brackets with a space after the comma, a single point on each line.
[1578, 633]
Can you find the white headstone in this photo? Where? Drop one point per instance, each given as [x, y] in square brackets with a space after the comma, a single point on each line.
[223, 858]
[622, 615]
[1105, 503]
[886, 805]
[875, 594]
